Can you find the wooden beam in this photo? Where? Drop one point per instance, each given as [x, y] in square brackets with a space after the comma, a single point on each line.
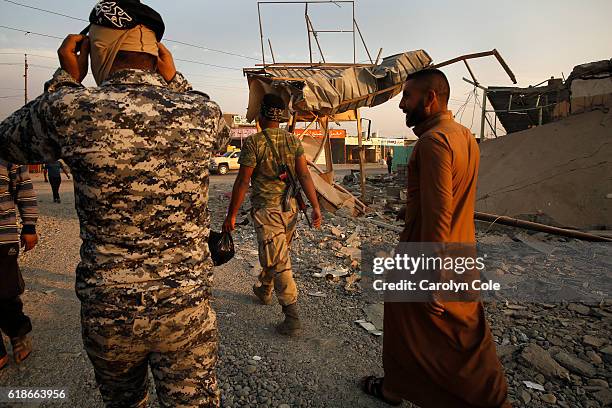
[329, 164]
[534, 226]
[362, 177]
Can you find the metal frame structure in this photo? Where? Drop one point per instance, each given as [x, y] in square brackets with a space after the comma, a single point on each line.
[493, 127]
[314, 33]
[474, 81]
[356, 115]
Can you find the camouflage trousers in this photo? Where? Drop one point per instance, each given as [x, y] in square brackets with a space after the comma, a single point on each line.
[172, 332]
[275, 230]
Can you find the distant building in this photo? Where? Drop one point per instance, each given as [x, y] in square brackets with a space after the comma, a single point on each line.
[240, 129]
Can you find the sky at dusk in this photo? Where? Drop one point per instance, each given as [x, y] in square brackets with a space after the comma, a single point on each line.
[538, 39]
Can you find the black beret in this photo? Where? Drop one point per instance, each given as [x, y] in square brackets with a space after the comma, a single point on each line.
[127, 14]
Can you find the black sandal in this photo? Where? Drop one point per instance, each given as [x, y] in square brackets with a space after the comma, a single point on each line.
[373, 386]
[22, 348]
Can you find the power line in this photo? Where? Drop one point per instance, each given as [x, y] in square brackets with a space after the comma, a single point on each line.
[168, 40]
[45, 11]
[29, 55]
[206, 64]
[204, 85]
[211, 49]
[31, 32]
[11, 96]
[42, 66]
[176, 59]
[15, 64]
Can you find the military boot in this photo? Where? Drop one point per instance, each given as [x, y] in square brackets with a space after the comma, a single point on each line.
[292, 325]
[263, 293]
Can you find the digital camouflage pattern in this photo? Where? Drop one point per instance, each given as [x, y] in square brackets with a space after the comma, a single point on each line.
[266, 188]
[122, 340]
[138, 148]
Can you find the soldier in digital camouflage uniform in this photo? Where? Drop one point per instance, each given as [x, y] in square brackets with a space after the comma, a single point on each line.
[274, 227]
[138, 146]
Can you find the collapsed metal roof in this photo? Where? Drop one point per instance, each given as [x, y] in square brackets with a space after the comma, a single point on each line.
[517, 108]
[329, 89]
[522, 108]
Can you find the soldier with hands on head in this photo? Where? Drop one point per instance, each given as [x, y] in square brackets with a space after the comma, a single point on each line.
[138, 145]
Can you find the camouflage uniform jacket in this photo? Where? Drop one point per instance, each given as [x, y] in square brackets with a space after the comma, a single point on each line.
[139, 149]
[267, 188]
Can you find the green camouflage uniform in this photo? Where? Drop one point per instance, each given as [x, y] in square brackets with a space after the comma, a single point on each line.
[274, 228]
[139, 149]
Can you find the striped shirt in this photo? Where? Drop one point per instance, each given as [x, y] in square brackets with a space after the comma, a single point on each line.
[16, 188]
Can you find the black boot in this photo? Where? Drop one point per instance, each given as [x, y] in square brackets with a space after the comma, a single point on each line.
[292, 325]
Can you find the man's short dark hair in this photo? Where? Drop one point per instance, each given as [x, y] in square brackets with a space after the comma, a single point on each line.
[132, 58]
[433, 79]
[273, 101]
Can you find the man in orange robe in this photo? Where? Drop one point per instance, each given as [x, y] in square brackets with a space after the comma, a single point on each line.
[439, 354]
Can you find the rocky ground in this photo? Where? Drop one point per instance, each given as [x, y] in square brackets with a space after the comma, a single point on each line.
[554, 353]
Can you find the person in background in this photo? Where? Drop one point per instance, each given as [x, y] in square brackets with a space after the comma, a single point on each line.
[52, 172]
[389, 160]
[275, 226]
[15, 190]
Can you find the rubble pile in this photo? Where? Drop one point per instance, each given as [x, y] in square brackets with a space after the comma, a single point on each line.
[555, 354]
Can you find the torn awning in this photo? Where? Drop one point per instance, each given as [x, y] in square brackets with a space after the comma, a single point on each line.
[328, 89]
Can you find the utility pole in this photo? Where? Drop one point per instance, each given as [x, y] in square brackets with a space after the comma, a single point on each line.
[25, 78]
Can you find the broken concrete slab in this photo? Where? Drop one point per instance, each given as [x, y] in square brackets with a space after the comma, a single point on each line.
[536, 357]
[375, 313]
[575, 364]
[369, 327]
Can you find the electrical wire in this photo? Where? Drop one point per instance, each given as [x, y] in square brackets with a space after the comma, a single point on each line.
[202, 47]
[28, 54]
[176, 59]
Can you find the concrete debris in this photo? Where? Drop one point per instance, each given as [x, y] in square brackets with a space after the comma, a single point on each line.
[375, 314]
[369, 327]
[536, 357]
[351, 283]
[534, 386]
[575, 365]
[554, 349]
[335, 272]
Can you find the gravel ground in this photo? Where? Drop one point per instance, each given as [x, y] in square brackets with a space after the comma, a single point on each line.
[319, 369]
[563, 347]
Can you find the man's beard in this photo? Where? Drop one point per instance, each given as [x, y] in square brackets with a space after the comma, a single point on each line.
[417, 115]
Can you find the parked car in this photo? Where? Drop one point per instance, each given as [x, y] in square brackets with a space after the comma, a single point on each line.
[223, 164]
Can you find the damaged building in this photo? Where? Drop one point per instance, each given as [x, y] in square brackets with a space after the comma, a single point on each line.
[553, 166]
